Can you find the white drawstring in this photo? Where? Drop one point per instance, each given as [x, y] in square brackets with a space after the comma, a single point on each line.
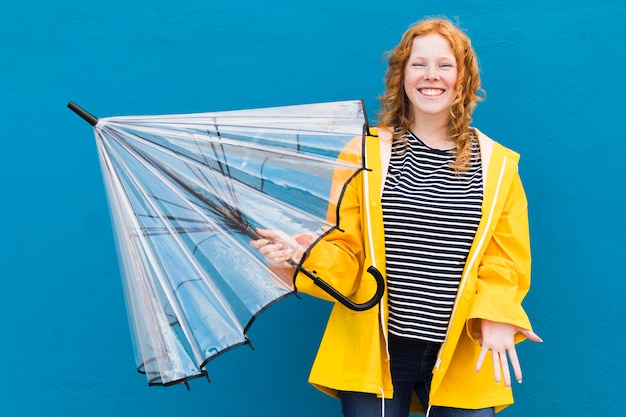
[427, 411]
[382, 402]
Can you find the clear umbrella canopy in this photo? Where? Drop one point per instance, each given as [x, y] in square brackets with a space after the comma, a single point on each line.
[187, 193]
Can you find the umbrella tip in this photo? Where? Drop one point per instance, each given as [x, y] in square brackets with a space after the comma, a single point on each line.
[89, 118]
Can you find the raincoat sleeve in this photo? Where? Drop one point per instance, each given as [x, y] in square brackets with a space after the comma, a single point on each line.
[504, 270]
[338, 257]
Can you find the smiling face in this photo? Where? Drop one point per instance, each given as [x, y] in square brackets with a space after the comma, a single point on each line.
[430, 77]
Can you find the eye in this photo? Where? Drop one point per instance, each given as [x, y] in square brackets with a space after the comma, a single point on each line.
[417, 64]
[446, 65]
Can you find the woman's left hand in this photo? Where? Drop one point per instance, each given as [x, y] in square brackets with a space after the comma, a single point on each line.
[499, 338]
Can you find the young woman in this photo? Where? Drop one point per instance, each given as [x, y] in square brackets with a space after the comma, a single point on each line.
[443, 214]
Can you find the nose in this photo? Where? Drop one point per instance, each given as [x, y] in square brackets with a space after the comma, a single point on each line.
[431, 73]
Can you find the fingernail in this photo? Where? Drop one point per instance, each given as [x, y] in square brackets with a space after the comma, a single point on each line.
[519, 381]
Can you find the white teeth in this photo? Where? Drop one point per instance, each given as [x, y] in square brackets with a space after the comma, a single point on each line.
[431, 91]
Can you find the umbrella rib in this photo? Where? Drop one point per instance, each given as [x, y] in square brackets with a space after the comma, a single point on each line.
[224, 169]
[295, 126]
[341, 110]
[179, 229]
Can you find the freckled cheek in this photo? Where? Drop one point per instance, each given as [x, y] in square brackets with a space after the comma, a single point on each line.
[452, 79]
[410, 81]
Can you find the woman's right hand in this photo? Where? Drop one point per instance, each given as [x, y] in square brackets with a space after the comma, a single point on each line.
[281, 250]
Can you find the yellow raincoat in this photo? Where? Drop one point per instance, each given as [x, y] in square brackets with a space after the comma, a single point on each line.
[353, 353]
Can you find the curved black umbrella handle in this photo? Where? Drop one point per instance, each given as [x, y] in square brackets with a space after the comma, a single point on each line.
[380, 290]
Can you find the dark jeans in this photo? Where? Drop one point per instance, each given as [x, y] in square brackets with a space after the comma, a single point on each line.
[412, 363]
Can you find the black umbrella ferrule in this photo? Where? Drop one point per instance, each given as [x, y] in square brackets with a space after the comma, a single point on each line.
[86, 116]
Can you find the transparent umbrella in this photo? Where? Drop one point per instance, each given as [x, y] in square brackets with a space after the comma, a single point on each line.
[187, 193]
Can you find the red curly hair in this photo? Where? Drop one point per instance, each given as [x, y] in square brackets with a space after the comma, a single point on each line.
[395, 112]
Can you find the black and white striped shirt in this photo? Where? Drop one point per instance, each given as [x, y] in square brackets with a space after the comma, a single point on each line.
[430, 215]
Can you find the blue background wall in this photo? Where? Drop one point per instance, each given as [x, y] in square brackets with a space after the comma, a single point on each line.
[553, 71]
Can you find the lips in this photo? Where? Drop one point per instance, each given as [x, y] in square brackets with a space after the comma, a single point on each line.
[431, 92]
